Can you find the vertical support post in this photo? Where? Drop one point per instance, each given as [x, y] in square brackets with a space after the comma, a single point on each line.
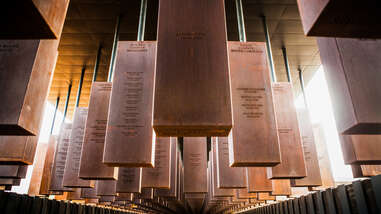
[113, 52]
[286, 64]
[301, 79]
[241, 21]
[142, 20]
[80, 86]
[67, 101]
[97, 59]
[268, 46]
[55, 113]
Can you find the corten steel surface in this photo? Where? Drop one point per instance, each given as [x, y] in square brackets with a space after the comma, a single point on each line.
[106, 198]
[254, 139]
[24, 86]
[292, 159]
[10, 182]
[147, 193]
[40, 20]
[74, 195]
[91, 166]
[227, 177]
[89, 193]
[172, 191]
[93, 201]
[18, 150]
[257, 180]
[159, 177]
[129, 180]
[22, 171]
[313, 177]
[265, 196]
[12, 171]
[215, 191]
[195, 165]
[60, 156]
[253, 201]
[236, 200]
[352, 73]
[298, 191]
[129, 136]
[244, 194]
[361, 149]
[331, 18]
[324, 162]
[192, 92]
[38, 168]
[70, 177]
[105, 187]
[360, 171]
[281, 187]
[48, 166]
[124, 197]
[61, 196]
[57, 193]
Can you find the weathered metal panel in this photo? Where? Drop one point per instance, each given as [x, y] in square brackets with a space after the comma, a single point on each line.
[192, 70]
[253, 140]
[129, 136]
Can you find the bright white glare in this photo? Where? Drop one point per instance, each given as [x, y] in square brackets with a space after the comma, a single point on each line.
[320, 109]
[43, 138]
[47, 122]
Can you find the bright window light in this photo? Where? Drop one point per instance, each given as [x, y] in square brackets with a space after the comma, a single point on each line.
[320, 109]
[43, 138]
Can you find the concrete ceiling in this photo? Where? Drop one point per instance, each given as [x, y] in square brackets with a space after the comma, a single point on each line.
[91, 23]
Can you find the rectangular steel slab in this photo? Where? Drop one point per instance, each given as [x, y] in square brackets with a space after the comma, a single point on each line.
[253, 140]
[74, 195]
[292, 158]
[48, 166]
[24, 86]
[333, 18]
[313, 177]
[257, 180]
[18, 150]
[41, 19]
[129, 180]
[361, 171]
[244, 194]
[324, 162]
[195, 165]
[13, 171]
[361, 149]
[70, 177]
[175, 158]
[227, 177]
[281, 187]
[214, 190]
[60, 156]
[38, 168]
[91, 166]
[352, 71]
[129, 126]
[265, 196]
[89, 193]
[159, 177]
[192, 75]
[106, 187]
